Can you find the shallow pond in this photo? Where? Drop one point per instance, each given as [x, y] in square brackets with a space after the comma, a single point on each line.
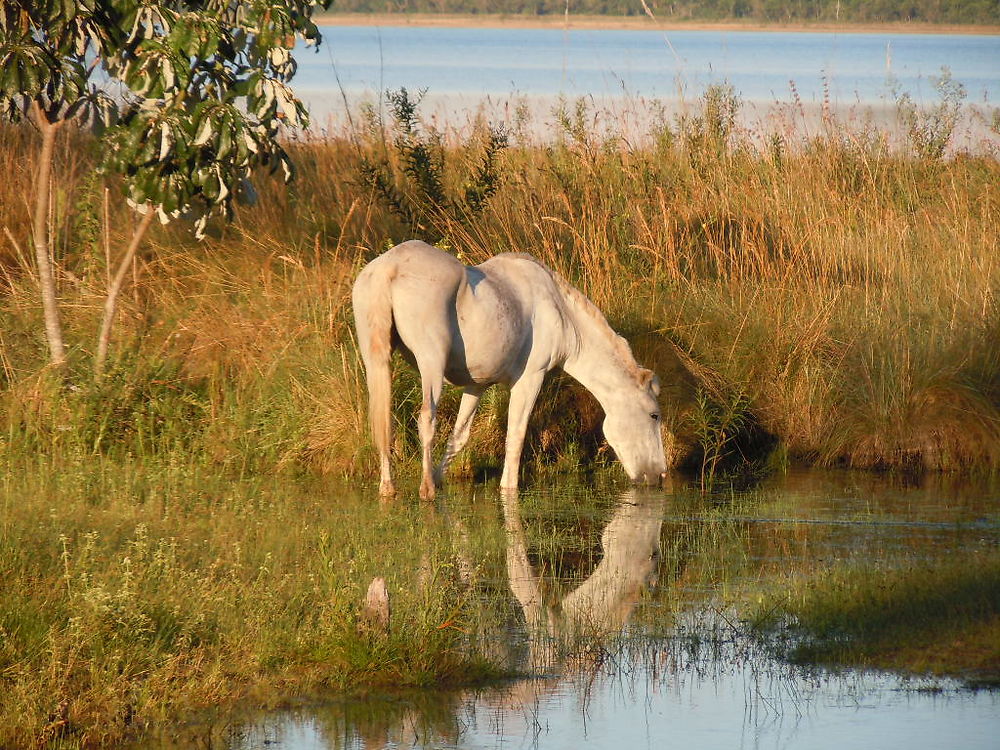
[611, 605]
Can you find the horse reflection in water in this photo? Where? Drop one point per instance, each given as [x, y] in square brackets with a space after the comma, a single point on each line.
[602, 604]
[599, 607]
[509, 320]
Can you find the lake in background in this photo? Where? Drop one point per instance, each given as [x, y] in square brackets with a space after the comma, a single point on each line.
[468, 68]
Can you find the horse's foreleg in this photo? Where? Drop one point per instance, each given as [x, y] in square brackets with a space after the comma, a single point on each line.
[522, 400]
[460, 435]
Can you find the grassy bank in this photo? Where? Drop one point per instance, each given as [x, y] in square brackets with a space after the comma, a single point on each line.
[136, 594]
[821, 298]
[140, 594]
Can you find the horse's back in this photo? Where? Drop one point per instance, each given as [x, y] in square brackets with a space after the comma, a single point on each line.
[524, 276]
[417, 279]
[487, 321]
[419, 260]
[434, 275]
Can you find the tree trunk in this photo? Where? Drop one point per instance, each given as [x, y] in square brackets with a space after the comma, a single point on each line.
[111, 301]
[40, 231]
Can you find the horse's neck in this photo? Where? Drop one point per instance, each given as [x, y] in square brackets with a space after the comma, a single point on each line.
[599, 363]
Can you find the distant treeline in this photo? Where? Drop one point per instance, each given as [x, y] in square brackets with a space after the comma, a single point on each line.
[931, 11]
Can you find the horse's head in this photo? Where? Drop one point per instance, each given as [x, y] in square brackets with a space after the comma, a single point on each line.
[632, 427]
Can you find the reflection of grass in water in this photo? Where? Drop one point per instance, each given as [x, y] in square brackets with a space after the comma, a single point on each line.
[865, 589]
[939, 616]
[724, 557]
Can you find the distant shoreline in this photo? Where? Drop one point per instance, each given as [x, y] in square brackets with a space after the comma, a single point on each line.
[447, 20]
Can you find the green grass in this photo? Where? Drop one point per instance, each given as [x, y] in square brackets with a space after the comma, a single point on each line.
[136, 593]
[928, 616]
[144, 592]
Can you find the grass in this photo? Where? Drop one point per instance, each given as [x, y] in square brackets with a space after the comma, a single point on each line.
[932, 616]
[840, 293]
[167, 535]
[149, 592]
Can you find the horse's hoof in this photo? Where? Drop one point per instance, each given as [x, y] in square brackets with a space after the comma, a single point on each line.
[427, 490]
[386, 489]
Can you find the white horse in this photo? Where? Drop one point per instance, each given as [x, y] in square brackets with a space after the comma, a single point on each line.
[509, 320]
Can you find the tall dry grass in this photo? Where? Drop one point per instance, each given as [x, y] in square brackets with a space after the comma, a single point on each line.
[838, 288]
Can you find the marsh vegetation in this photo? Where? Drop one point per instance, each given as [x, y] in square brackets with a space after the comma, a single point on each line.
[828, 296]
[176, 535]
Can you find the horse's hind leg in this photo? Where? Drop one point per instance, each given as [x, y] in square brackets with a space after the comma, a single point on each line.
[432, 381]
[424, 326]
[373, 320]
[460, 435]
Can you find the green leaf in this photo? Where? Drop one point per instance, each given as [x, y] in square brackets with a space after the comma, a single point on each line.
[225, 141]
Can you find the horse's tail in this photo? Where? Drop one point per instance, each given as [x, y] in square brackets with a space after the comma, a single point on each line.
[373, 319]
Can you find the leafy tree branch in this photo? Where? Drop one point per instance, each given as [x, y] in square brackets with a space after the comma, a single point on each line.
[190, 97]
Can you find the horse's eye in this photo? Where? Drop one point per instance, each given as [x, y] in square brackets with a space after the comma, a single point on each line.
[655, 416]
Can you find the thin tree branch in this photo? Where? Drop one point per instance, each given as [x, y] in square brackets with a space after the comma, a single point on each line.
[111, 301]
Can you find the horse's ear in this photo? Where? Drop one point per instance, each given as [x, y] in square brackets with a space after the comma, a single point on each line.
[648, 379]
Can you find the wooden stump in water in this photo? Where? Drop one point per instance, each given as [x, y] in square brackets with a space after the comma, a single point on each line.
[375, 610]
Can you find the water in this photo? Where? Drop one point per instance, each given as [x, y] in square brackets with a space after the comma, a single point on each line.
[680, 713]
[605, 591]
[465, 67]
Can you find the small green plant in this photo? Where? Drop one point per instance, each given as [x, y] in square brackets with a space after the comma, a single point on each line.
[411, 174]
[573, 124]
[930, 129]
[708, 132]
[717, 425]
[141, 407]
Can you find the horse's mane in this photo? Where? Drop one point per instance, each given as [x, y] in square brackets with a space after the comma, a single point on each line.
[581, 302]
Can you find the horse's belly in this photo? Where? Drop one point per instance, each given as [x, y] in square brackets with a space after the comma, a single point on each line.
[495, 331]
[486, 354]
[484, 371]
